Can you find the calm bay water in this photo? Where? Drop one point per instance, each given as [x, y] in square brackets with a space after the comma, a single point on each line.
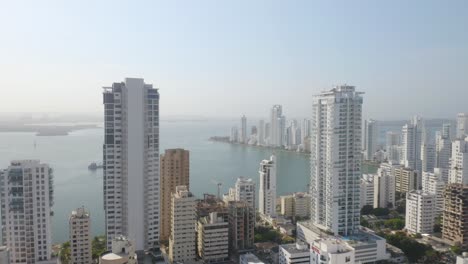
[210, 163]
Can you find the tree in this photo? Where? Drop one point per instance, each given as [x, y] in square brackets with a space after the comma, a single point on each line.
[366, 209]
[64, 253]
[98, 246]
[456, 249]
[395, 224]
[414, 250]
[380, 211]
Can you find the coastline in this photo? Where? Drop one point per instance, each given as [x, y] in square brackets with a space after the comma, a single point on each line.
[226, 140]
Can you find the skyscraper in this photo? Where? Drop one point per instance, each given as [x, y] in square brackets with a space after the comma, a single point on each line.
[80, 237]
[370, 138]
[245, 191]
[462, 125]
[175, 171]
[183, 225]
[243, 138]
[26, 208]
[443, 153]
[428, 157]
[336, 158]
[459, 162]
[276, 126]
[412, 141]
[261, 133]
[393, 146]
[131, 162]
[267, 192]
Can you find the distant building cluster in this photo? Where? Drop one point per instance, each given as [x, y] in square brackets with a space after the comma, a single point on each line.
[277, 132]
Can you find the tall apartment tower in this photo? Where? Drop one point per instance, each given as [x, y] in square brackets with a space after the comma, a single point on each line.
[243, 137]
[393, 147]
[420, 212]
[241, 226]
[443, 152]
[370, 138]
[175, 171]
[433, 182]
[336, 158]
[183, 226]
[455, 217]
[267, 192]
[459, 162]
[212, 238]
[245, 191]
[80, 237]
[261, 133]
[412, 134]
[428, 157]
[131, 162]
[276, 133]
[26, 200]
[462, 125]
[305, 129]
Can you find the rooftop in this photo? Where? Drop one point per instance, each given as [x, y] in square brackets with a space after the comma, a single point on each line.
[296, 248]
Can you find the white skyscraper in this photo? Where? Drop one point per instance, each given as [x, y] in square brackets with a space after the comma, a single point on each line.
[261, 133]
[243, 137]
[131, 162]
[367, 190]
[462, 125]
[26, 201]
[459, 162]
[393, 148]
[370, 138]
[443, 152]
[412, 142]
[433, 183]
[336, 160]
[384, 185]
[428, 157]
[267, 192]
[420, 212]
[305, 129]
[245, 191]
[276, 132]
[80, 237]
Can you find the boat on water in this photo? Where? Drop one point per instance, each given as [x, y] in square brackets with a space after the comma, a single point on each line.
[94, 166]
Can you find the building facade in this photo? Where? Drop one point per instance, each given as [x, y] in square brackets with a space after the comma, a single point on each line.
[462, 125]
[183, 224]
[243, 137]
[406, 180]
[412, 135]
[267, 191]
[420, 212]
[131, 162]
[433, 183]
[80, 237]
[297, 253]
[367, 190]
[370, 145]
[455, 215]
[459, 162]
[241, 226]
[336, 157]
[175, 171]
[245, 191]
[212, 242]
[26, 208]
[276, 126]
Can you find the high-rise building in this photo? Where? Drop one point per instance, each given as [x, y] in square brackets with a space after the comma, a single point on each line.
[459, 162]
[433, 183]
[26, 208]
[305, 129]
[412, 141]
[276, 132]
[447, 130]
[384, 185]
[392, 139]
[268, 134]
[80, 237]
[295, 205]
[131, 162]
[297, 253]
[243, 137]
[336, 118]
[122, 251]
[420, 212]
[261, 133]
[234, 137]
[455, 216]
[267, 192]
[367, 190]
[212, 239]
[443, 152]
[406, 180]
[183, 226]
[245, 191]
[462, 125]
[175, 171]
[370, 138]
[428, 157]
[241, 226]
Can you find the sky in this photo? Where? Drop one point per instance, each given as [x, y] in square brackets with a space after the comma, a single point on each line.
[227, 58]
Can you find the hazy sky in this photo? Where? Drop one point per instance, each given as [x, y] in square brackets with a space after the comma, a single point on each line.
[227, 58]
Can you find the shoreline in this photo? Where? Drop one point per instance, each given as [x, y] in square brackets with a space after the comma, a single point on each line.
[223, 140]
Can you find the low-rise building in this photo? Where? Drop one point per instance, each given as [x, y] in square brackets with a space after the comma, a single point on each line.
[296, 205]
[123, 252]
[249, 258]
[297, 253]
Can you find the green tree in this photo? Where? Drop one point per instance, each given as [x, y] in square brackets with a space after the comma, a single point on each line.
[366, 209]
[414, 250]
[98, 246]
[395, 224]
[380, 211]
[64, 253]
